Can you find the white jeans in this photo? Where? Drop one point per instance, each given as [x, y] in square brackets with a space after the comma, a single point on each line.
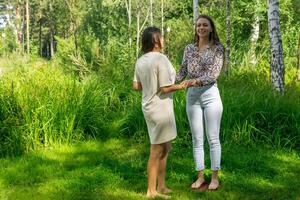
[204, 110]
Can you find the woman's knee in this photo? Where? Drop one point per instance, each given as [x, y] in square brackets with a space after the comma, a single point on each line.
[167, 147]
[156, 151]
[198, 142]
[214, 142]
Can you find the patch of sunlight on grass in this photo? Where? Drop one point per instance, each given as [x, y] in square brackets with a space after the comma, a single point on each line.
[291, 157]
[3, 191]
[114, 144]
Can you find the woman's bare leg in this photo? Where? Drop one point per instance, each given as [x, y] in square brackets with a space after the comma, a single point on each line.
[199, 180]
[161, 186]
[214, 184]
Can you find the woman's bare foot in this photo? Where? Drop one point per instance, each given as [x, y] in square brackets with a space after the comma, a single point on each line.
[157, 195]
[214, 184]
[198, 183]
[164, 190]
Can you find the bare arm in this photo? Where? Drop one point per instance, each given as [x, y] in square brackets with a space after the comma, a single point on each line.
[173, 88]
[137, 85]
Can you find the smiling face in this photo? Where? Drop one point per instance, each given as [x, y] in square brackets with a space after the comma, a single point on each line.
[203, 28]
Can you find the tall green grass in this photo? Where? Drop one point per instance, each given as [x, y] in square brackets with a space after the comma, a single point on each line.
[253, 112]
[42, 106]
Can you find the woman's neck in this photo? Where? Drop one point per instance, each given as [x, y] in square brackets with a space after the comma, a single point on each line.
[156, 49]
[203, 43]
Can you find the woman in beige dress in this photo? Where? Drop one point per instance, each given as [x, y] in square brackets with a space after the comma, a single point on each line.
[155, 76]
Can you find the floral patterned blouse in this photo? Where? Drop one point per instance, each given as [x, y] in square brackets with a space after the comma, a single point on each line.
[203, 65]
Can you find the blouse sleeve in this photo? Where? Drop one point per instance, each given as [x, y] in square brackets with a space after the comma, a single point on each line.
[213, 73]
[183, 68]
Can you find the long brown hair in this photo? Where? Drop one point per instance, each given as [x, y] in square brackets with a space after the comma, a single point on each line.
[213, 36]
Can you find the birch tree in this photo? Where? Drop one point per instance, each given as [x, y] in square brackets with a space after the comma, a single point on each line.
[255, 34]
[74, 17]
[162, 17]
[151, 12]
[27, 26]
[277, 60]
[196, 10]
[51, 28]
[298, 59]
[139, 27]
[129, 14]
[228, 37]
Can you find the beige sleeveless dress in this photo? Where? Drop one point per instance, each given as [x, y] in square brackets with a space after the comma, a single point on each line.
[154, 70]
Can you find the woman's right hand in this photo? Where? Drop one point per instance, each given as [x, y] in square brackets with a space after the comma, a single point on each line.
[184, 84]
[188, 83]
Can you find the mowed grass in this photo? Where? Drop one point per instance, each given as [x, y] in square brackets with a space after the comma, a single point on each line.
[116, 169]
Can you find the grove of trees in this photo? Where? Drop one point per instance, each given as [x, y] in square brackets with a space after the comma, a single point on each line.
[101, 38]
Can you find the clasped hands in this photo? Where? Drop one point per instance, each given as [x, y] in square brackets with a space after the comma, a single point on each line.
[188, 83]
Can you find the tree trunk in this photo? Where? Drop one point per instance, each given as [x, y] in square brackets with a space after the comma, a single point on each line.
[73, 25]
[162, 17]
[298, 59]
[18, 26]
[228, 37]
[51, 42]
[27, 27]
[277, 60]
[129, 13]
[255, 35]
[139, 29]
[51, 32]
[151, 12]
[195, 10]
[40, 29]
[137, 33]
[40, 38]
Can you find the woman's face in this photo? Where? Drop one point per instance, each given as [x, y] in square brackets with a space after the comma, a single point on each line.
[203, 28]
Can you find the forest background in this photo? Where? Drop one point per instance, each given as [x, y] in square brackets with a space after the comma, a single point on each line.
[71, 127]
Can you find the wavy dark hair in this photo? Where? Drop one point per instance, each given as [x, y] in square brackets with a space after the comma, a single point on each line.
[150, 37]
[213, 36]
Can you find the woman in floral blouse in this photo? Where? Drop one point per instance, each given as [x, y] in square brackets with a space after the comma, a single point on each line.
[202, 63]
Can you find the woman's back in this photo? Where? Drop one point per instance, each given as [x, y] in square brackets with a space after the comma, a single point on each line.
[154, 71]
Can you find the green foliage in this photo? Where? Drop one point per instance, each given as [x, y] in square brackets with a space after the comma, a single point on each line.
[41, 106]
[7, 41]
[92, 69]
[252, 112]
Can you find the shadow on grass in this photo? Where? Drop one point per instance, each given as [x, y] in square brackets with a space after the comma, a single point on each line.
[116, 169]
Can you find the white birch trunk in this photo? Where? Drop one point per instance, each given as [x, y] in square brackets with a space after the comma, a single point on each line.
[137, 33]
[139, 28]
[195, 10]
[51, 33]
[228, 37]
[151, 12]
[129, 11]
[255, 34]
[277, 60]
[162, 18]
[18, 25]
[27, 27]
[298, 77]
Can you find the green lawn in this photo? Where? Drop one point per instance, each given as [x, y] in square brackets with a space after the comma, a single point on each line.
[116, 169]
